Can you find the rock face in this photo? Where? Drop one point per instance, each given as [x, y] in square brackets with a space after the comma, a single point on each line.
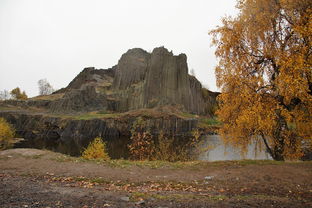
[75, 100]
[90, 77]
[71, 136]
[143, 80]
[139, 80]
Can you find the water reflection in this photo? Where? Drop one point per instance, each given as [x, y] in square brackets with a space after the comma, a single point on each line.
[213, 149]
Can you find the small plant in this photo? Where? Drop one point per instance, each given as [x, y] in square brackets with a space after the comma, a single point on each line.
[164, 148]
[142, 146]
[142, 143]
[172, 149]
[96, 150]
[6, 134]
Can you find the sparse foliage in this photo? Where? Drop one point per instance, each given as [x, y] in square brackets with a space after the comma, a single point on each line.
[265, 73]
[18, 95]
[145, 146]
[164, 148]
[96, 150]
[6, 134]
[142, 144]
[44, 87]
[4, 95]
[171, 149]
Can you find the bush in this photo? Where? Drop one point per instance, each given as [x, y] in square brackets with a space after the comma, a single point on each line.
[172, 149]
[6, 134]
[141, 146]
[164, 148]
[96, 150]
[145, 146]
[142, 143]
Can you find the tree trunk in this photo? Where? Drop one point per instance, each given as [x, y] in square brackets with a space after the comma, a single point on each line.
[275, 153]
[278, 137]
[278, 153]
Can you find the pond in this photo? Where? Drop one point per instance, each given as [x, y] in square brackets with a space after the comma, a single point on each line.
[213, 149]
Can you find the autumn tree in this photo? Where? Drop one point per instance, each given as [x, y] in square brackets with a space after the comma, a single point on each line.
[17, 94]
[96, 150]
[6, 134]
[265, 73]
[45, 88]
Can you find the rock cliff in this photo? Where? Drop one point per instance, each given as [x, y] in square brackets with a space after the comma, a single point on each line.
[139, 80]
[71, 136]
[106, 102]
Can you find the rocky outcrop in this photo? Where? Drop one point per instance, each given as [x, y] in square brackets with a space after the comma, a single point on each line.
[70, 136]
[144, 80]
[90, 77]
[139, 80]
[131, 68]
[79, 100]
[157, 82]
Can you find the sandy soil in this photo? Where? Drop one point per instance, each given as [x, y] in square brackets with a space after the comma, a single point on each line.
[37, 178]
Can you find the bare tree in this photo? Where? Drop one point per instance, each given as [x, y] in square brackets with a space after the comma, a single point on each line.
[44, 87]
[4, 95]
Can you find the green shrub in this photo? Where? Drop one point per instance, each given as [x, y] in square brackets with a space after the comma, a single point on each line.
[6, 134]
[96, 150]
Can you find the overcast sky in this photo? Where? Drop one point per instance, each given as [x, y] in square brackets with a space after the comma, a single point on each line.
[56, 39]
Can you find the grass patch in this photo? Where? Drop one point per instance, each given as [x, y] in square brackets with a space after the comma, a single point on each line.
[258, 196]
[48, 97]
[90, 115]
[93, 115]
[208, 122]
[193, 165]
[98, 180]
[187, 115]
[35, 156]
[9, 108]
[137, 196]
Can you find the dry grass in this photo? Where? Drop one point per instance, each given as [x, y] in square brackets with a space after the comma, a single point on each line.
[48, 97]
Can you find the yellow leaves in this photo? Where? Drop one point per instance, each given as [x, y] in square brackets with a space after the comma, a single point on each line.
[96, 150]
[141, 146]
[265, 73]
[6, 134]
[17, 94]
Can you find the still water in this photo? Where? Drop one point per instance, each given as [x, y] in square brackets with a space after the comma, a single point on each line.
[213, 149]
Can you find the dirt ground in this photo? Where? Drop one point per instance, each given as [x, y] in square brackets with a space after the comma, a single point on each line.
[37, 178]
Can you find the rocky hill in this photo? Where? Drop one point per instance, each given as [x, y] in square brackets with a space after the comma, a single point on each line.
[139, 80]
[107, 102]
